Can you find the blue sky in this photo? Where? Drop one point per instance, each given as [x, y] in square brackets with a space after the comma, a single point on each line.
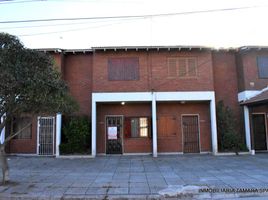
[246, 26]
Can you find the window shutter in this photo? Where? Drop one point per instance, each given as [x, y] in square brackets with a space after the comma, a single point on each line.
[123, 69]
[172, 67]
[182, 67]
[166, 126]
[171, 126]
[127, 127]
[192, 67]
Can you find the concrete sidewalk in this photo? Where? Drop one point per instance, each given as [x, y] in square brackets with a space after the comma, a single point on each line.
[138, 177]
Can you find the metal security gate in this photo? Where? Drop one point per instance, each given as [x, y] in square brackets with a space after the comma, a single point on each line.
[190, 134]
[46, 129]
[114, 133]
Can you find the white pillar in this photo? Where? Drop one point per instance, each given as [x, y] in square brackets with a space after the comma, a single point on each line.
[93, 128]
[58, 133]
[213, 124]
[247, 129]
[154, 125]
[2, 136]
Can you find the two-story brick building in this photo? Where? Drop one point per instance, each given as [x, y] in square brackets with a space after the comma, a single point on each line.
[156, 100]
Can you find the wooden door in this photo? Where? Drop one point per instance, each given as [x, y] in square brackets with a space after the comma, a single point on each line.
[190, 128]
[259, 131]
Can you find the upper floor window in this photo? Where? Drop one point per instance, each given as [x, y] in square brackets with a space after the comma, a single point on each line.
[262, 63]
[123, 69]
[182, 67]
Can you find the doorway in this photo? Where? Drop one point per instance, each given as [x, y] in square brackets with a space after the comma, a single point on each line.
[190, 128]
[46, 131]
[259, 131]
[114, 134]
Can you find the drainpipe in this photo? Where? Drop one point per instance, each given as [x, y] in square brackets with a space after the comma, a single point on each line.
[154, 124]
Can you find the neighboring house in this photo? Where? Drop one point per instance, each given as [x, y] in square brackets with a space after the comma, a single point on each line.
[156, 100]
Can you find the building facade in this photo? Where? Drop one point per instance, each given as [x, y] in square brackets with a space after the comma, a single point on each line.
[156, 100]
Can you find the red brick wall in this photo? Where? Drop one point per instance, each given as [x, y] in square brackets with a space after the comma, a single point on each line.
[175, 143]
[100, 76]
[78, 75]
[250, 70]
[165, 144]
[58, 61]
[27, 146]
[131, 145]
[225, 80]
[153, 72]
[162, 82]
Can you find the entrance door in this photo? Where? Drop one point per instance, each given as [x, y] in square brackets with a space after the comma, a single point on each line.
[190, 134]
[259, 131]
[114, 127]
[46, 129]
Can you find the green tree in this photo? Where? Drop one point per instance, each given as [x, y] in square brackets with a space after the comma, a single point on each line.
[29, 83]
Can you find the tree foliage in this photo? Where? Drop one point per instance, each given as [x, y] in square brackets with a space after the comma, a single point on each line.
[29, 83]
[75, 135]
[229, 137]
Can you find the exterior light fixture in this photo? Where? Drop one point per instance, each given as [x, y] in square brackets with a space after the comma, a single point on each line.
[122, 103]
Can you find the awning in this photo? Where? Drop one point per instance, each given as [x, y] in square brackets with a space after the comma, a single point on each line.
[258, 99]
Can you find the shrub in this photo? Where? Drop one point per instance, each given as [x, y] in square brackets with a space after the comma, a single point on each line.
[76, 135]
[230, 140]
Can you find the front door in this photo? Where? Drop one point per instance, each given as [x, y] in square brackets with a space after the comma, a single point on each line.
[46, 129]
[114, 127]
[190, 134]
[259, 131]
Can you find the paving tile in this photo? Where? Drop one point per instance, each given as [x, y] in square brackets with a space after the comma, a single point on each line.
[76, 190]
[81, 183]
[118, 191]
[132, 174]
[96, 190]
[139, 190]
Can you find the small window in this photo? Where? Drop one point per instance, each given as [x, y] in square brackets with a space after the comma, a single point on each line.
[19, 124]
[139, 127]
[123, 69]
[136, 127]
[262, 63]
[182, 67]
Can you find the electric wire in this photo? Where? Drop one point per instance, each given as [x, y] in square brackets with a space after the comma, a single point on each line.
[131, 16]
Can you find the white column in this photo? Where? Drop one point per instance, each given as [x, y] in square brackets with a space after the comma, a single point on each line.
[2, 136]
[247, 129]
[154, 125]
[213, 124]
[93, 128]
[58, 133]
